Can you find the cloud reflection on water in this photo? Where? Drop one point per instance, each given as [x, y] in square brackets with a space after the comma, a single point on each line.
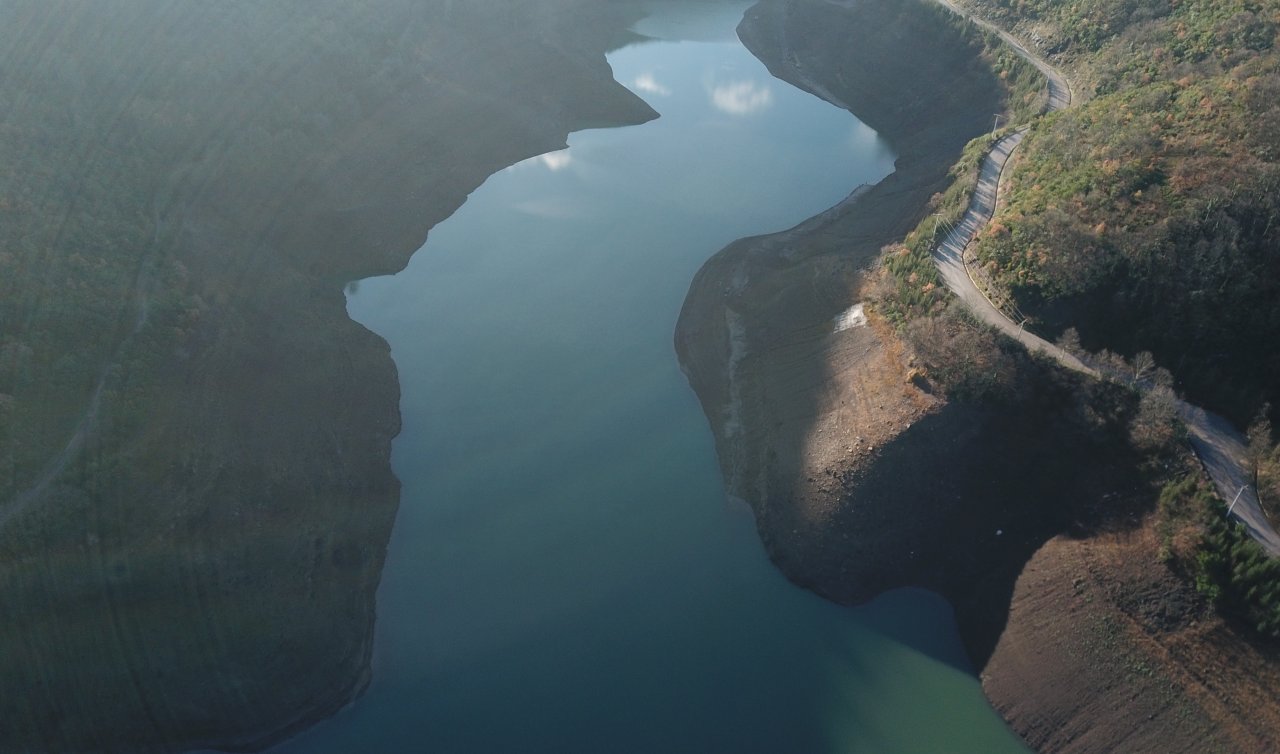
[646, 82]
[553, 161]
[741, 97]
[549, 208]
[556, 160]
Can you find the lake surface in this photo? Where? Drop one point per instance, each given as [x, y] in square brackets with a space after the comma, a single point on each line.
[566, 574]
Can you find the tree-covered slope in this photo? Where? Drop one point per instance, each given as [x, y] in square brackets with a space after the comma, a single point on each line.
[1149, 215]
[195, 486]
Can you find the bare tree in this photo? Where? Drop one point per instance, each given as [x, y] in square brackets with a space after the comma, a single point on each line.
[963, 358]
[1156, 427]
[1264, 457]
[1069, 341]
[1144, 366]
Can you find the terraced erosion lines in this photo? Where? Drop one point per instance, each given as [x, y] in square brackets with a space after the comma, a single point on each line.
[1219, 446]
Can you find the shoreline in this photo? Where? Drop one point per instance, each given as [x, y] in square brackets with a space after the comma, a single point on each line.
[204, 574]
[862, 481]
[812, 271]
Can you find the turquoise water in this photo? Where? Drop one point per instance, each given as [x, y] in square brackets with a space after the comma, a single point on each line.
[566, 574]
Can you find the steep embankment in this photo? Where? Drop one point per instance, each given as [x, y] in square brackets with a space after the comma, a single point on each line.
[861, 478]
[1219, 446]
[1108, 650]
[1108, 644]
[197, 494]
[1146, 217]
[756, 333]
[865, 477]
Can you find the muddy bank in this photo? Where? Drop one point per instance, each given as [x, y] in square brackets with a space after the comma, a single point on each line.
[1028, 513]
[861, 478]
[755, 334]
[1107, 650]
[203, 572]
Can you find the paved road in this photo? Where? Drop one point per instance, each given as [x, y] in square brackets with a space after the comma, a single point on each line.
[1221, 448]
[1219, 445]
[1059, 86]
[949, 256]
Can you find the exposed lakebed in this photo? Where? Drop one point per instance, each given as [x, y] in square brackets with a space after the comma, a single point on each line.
[566, 573]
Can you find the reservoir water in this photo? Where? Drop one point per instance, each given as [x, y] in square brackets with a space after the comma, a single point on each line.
[566, 574]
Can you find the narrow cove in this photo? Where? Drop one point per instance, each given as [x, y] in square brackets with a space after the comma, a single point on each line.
[566, 574]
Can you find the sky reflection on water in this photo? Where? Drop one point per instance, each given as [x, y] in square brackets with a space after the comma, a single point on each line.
[566, 574]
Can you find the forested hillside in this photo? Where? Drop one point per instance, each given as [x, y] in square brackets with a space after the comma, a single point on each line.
[195, 487]
[1146, 217]
[1149, 216]
[147, 179]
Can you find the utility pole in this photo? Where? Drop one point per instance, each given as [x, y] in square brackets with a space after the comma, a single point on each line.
[937, 218]
[995, 124]
[1233, 502]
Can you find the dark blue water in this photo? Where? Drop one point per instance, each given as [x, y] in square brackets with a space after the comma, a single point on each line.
[566, 574]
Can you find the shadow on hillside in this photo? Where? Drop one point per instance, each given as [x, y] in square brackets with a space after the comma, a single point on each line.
[959, 502]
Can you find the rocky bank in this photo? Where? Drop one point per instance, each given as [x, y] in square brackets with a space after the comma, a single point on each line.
[1027, 512]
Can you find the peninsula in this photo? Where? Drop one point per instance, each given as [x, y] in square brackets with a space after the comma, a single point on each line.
[916, 447]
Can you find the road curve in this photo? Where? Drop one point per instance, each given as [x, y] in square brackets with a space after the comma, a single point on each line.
[1060, 96]
[1219, 446]
[949, 256]
[1221, 449]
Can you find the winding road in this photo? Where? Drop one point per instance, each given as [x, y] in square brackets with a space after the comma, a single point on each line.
[1219, 446]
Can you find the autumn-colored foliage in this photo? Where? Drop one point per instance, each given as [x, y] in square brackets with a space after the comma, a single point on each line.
[1149, 215]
